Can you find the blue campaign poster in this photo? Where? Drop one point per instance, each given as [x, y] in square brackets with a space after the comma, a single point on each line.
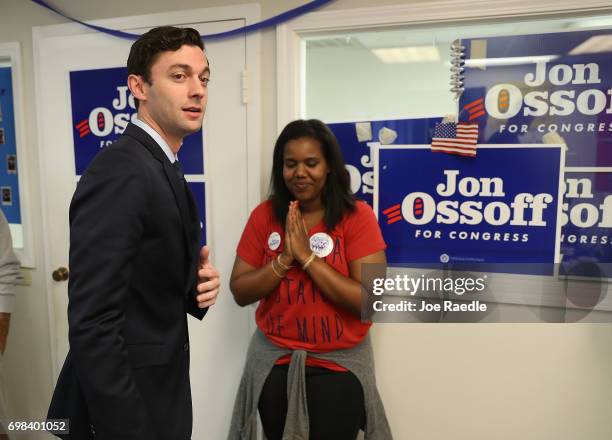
[501, 207]
[102, 106]
[586, 218]
[552, 87]
[522, 88]
[199, 193]
[354, 137]
[9, 182]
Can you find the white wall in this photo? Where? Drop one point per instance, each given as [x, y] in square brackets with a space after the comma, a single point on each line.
[485, 381]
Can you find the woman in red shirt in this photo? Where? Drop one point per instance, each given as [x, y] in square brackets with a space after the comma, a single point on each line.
[301, 256]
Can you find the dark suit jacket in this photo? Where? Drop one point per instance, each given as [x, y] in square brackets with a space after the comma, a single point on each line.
[134, 245]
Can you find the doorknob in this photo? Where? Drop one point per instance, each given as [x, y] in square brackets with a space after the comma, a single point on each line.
[60, 274]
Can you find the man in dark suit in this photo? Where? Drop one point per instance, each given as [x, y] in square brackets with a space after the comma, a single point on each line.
[135, 264]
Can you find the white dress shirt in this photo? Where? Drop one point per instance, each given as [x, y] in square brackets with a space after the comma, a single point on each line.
[157, 137]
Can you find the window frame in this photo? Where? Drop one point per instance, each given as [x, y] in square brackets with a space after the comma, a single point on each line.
[291, 50]
[291, 44]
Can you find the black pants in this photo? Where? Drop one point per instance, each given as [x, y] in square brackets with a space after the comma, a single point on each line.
[336, 408]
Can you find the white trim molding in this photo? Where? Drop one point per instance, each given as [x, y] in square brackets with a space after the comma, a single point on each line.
[12, 51]
[290, 41]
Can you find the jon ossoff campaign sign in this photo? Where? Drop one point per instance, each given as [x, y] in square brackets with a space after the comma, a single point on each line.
[519, 89]
[501, 207]
[102, 106]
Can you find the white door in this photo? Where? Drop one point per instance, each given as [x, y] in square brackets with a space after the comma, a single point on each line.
[218, 342]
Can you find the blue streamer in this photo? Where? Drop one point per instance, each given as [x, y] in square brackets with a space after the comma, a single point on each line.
[273, 21]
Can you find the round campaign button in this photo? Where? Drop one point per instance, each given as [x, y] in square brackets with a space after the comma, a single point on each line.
[274, 240]
[321, 244]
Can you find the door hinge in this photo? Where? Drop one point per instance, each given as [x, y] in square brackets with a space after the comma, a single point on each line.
[244, 80]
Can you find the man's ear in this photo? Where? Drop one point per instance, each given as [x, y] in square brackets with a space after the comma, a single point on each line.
[137, 86]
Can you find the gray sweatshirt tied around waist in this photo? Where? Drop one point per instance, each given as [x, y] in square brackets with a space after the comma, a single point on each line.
[261, 357]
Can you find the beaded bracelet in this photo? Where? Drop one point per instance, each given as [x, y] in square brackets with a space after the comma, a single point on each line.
[308, 261]
[274, 270]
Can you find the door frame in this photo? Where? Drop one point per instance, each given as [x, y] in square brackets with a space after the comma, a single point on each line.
[250, 13]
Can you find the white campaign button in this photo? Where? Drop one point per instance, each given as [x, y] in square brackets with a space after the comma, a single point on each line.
[321, 244]
[274, 240]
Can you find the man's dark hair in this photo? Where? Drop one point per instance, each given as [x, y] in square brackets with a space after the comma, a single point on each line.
[145, 50]
[336, 197]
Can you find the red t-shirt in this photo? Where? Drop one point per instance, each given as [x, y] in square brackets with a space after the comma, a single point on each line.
[297, 315]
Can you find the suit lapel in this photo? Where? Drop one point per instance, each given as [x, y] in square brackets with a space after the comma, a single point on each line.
[180, 195]
[177, 186]
[195, 232]
[195, 217]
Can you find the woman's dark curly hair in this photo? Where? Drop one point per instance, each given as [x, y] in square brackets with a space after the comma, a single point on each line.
[337, 197]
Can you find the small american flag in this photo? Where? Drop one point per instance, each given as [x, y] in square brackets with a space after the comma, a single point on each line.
[454, 138]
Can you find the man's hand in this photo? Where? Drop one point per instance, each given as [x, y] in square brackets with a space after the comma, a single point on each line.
[208, 280]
